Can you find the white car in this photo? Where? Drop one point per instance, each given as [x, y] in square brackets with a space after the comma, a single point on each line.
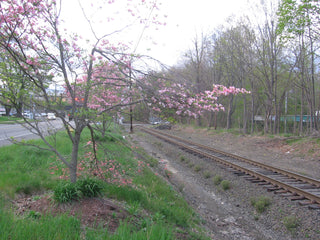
[51, 116]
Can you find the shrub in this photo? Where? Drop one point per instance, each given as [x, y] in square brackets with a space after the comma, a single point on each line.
[197, 168]
[261, 203]
[182, 158]
[34, 214]
[217, 179]
[90, 187]
[291, 223]
[225, 184]
[207, 174]
[66, 192]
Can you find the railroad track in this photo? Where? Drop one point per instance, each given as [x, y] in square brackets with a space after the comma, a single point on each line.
[294, 186]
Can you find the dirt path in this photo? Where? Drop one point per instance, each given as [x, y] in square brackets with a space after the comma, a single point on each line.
[228, 214]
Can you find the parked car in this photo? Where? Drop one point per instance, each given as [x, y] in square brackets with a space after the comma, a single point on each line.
[51, 116]
[28, 114]
[37, 116]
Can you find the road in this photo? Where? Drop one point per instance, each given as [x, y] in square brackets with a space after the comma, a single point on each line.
[18, 132]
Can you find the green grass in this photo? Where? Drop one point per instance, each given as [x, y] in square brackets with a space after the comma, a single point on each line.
[66, 227]
[294, 140]
[5, 119]
[25, 169]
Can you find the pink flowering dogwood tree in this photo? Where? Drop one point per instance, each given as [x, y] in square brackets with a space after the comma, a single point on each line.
[97, 80]
[185, 103]
[33, 36]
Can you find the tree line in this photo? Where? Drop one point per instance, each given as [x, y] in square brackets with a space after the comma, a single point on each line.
[274, 56]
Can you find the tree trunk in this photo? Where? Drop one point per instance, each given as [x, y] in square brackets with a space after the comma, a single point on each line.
[230, 111]
[74, 157]
[245, 119]
[301, 113]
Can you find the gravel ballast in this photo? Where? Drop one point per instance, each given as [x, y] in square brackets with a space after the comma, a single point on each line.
[230, 214]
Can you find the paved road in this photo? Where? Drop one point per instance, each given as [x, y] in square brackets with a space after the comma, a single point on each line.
[18, 132]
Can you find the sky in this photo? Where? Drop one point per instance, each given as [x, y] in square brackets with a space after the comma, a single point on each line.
[184, 20]
[189, 18]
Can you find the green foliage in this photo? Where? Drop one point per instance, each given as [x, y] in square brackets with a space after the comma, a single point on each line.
[134, 208]
[207, 174]
[125, 231]
[159, 197]
[217, 179]
[8, 120]
[66, 192]
[34, 214]
[261, 203]
[197, 168]
[90, 187]
[124, 193]
[147, 193]
[295, 17]
[225, 184]
[291, 223]
[28, 187]
[108, 137]
[37, 226]
[182, 158]
[24, 170]
[293, 140]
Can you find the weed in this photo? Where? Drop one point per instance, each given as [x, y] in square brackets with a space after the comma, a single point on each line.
[34, 214]
[182, 158]
[167, 173]
[35, 198]
[291, 223]
[66, 192]
[190, 165]
[261, 203]
[197, 168]
[158, 144]
[158, 217]
[207, 174]
[134, 208]
[217, 179]
[90, 187]
[293, 140]
[225, 184]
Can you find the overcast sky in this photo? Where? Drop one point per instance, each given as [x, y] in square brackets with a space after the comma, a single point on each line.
[189, 18]
[185, 19]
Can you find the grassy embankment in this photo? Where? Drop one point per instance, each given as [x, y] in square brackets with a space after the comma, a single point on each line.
[155, 210]
[8, 120]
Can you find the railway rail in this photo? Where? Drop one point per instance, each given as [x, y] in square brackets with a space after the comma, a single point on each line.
[295, 186]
